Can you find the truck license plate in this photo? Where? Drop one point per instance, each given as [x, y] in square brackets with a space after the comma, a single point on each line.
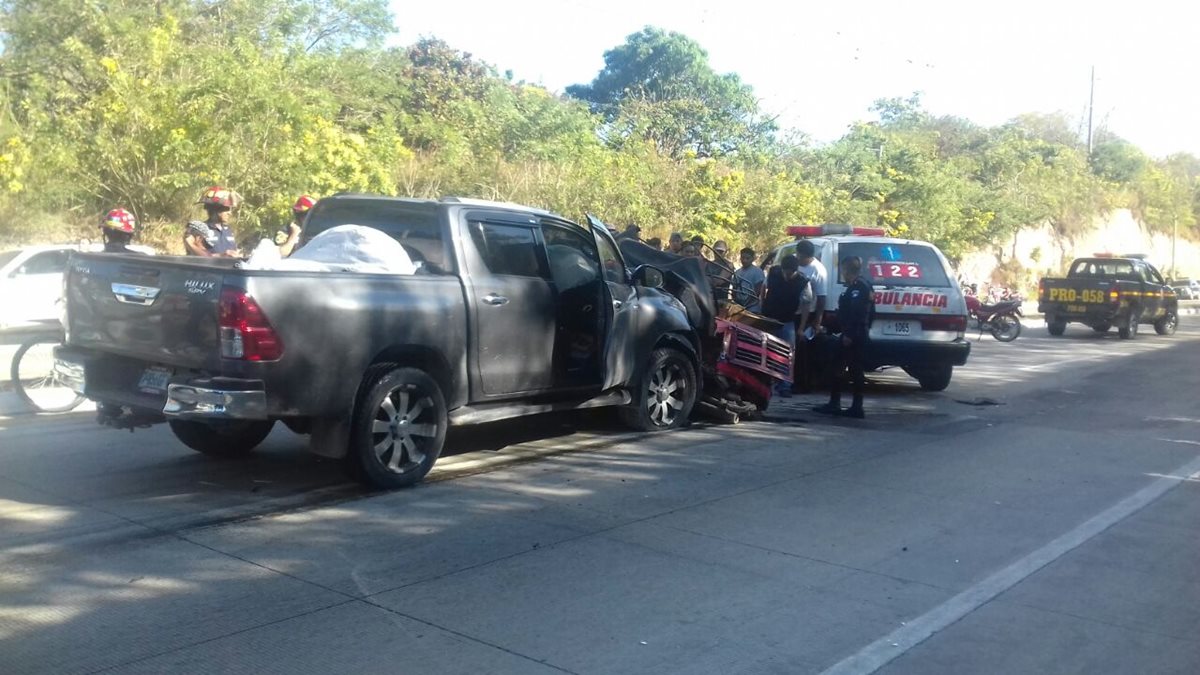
[154, 380]
[901, 328]
[1076, 309]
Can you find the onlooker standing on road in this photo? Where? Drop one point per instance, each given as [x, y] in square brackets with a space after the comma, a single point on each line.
[654, 243]
[855, 307]
[750, 280]
[213, 237]
[812, 308]
[785, 286]
[720, 272]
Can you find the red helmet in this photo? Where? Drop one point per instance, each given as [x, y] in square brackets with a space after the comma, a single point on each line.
[303, 204]
[219, 196]
[119, 220]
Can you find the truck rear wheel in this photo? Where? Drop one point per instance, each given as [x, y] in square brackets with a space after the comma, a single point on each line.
[663, 397]
[1129, 326]
[1056, 327]
[1102, 328]
[1167, 324]
[222, 438]
[398, 427]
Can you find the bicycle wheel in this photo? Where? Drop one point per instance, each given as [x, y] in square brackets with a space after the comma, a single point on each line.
[34, 379]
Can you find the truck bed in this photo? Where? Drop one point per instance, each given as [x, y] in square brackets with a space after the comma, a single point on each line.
[163, 313]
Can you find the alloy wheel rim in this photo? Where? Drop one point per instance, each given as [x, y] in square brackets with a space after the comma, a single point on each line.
[664, 399]
[401, 430]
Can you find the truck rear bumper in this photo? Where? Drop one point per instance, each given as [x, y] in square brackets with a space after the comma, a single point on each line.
[186, 397]
[193, 401]
[1095, 314]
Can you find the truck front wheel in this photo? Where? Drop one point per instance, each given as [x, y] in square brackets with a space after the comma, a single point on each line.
[398, 427]
[1055, 327]
[1167, 324]
[222, 438]
[665, 393]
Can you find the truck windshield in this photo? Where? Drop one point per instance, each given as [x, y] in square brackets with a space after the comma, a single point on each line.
[414, 225]
[1105, 269]
[897, 264]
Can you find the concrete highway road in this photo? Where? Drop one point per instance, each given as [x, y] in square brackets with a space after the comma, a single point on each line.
[1041, 515]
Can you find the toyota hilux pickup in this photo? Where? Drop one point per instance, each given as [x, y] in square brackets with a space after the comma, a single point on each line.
[511, 311]
[1103, 291]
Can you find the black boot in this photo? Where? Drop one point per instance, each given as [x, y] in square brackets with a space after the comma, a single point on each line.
[856, 409]
[834, 407]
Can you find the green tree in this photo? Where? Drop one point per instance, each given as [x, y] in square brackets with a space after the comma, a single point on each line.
[658, 86]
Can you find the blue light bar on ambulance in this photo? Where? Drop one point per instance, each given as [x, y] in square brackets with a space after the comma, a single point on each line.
[831, 229]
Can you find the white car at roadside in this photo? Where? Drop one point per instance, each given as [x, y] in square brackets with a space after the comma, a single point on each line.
[31, 283]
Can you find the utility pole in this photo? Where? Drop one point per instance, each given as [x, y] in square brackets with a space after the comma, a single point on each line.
[1174, 236]
[1091, 107]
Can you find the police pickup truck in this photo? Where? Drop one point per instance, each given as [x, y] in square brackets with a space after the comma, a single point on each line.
[1106, 291]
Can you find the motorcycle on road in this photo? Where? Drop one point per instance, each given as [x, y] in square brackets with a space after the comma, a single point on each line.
[1002, 320]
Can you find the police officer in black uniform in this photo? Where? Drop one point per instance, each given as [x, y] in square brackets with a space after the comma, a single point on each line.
[855, 309]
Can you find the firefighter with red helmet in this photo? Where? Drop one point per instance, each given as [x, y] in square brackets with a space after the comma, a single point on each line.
[287, 242]
[214, 236]
[117, 228]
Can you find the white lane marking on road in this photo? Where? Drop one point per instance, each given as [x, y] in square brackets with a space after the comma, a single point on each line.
[881, 652]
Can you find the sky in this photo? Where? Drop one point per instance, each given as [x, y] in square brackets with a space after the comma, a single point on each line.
[820, 65]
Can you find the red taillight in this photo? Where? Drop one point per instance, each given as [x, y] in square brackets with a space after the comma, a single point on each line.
[1041, 288]
[245, 332]
[953, 323]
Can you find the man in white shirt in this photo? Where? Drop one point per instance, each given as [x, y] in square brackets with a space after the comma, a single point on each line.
[750, 282]
[812, 307]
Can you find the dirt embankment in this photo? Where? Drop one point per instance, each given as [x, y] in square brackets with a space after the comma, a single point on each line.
[1039, 251]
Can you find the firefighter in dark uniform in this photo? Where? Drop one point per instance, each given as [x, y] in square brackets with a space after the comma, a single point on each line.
[856, 306]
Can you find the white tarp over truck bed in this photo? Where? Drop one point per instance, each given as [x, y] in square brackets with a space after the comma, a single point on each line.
[346, 248]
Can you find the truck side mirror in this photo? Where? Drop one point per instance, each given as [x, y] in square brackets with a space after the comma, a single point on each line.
[648, 276]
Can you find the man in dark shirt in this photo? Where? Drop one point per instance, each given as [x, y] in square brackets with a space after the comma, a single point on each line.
[856, 306]
[785, 288]
[213, 237]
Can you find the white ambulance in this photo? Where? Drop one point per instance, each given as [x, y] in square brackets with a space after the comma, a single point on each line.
[920, 313]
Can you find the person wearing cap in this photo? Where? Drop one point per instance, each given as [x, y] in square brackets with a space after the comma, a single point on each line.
[117, 228]
[213, 237]
[300, 209]
[856, 306]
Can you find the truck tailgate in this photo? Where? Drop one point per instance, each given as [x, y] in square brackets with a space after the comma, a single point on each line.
[1078, 293]
[156, 309]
